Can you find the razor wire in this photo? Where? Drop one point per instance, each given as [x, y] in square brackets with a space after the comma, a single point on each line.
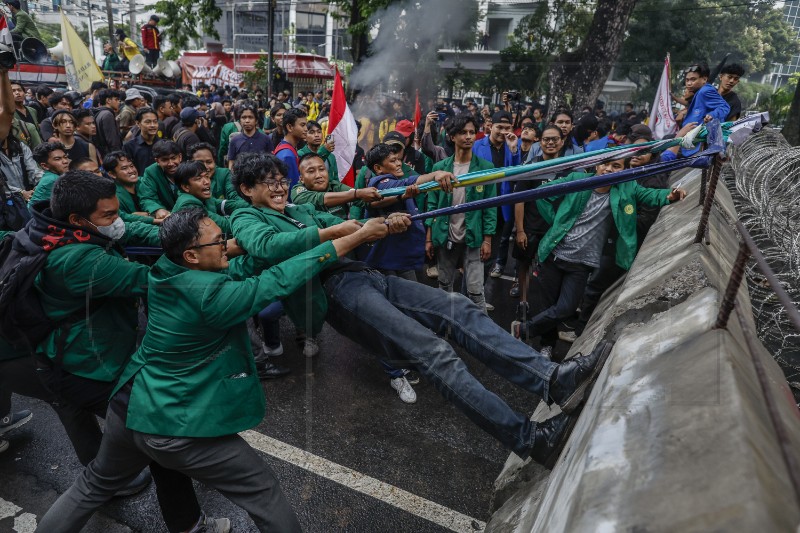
[764, 178]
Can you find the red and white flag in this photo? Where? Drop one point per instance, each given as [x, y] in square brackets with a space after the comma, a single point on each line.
[662, 121]
[417, 112]
[5, 33]
[342, 126]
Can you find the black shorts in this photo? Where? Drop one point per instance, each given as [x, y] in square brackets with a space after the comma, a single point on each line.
[528, 255]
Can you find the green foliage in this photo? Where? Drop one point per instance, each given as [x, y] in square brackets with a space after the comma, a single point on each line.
[748, 90]
[50, 33]
[260, 74]
[184, 21]
[754, 33]
[552, 29]
[780, 101]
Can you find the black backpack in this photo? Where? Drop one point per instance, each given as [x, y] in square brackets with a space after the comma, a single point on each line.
[23, 322]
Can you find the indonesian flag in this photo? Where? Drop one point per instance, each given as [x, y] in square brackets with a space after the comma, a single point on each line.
[662, 121]
[345, 133]
[5, 33]
[417, 113]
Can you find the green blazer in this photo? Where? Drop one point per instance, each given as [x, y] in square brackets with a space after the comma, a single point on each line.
[44, 188]
[328, 157]
[156, 191]
[273, 237]
[186, 201]
[624, 198]
[478, 223]
[222, 189]
[128, 204]
[194, 374]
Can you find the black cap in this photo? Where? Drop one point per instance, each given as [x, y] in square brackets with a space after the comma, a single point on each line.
[502, 117]
[640, 131]
[394, 137]
[13, 3]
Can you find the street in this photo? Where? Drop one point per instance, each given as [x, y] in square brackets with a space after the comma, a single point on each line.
[349, 454]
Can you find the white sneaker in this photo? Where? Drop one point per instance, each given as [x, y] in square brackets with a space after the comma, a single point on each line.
[404, 389]
[567, 336]
[489, 307]
[432, 271]
[547, 351]
[310, 347]
[272, 352]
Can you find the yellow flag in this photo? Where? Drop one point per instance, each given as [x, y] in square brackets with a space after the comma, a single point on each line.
[78, 61]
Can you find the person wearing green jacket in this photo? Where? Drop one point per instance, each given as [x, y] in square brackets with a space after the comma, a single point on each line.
[316, 188]
[122, 170]
[53, 159]
[579, 228]
[397, 319]
[224, 141]
[24, 26]
[158, 191]
[221, 186]
[325, 150]
[191, 387]
[465, 237]
[89, 286]
[111, 61]
[195, 192]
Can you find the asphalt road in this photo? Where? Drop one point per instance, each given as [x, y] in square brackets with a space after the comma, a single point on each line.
[352, 445]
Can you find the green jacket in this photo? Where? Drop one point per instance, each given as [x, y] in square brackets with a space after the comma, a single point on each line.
[129, 204]
[359, 211]
[479, 222]
[222, 189]
[111, 62]
[301, 195]
[194, 374]
[328, 157]
[43, 188]
[186, 201]
[156, 191]
[624, 199]
[98, 346]
[225, 140]
[272, 237]
[25, 26]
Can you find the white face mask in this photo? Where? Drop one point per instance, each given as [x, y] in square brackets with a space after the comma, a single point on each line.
[114, 231]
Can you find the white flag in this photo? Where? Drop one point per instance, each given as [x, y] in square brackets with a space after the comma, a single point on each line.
[662, 121]
[5, 34]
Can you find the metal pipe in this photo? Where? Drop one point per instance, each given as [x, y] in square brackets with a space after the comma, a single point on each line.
[709, 200]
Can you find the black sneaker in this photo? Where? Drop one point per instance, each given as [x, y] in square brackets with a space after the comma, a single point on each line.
[514, 292]
[271, 370]
[573, 379]
[14, 420]
[550, 437]
[523, 311]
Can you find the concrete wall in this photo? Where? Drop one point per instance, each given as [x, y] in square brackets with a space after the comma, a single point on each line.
[675, 435]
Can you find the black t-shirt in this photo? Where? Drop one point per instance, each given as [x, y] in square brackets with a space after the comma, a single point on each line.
[533, 223]
[736, 105]
[498, 155]
[79, 150]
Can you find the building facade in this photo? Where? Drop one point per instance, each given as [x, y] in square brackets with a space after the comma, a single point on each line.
[782, 71]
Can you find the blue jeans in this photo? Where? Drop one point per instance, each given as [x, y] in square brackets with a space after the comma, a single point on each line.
[270, 320]
[403, 321]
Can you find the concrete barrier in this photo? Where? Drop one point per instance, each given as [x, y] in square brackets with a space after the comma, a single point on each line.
[675, 435]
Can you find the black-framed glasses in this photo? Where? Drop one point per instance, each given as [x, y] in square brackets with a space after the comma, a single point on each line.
[550, 140]
[223, 243]
[274, 185]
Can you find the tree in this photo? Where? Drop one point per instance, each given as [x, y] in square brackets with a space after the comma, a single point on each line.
[791, 130]
[184, 21]
[754, 33]
[576, 78]
[553, 28]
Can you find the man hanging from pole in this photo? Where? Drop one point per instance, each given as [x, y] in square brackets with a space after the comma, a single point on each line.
[151, 40]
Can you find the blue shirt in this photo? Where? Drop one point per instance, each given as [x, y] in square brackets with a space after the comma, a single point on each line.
[290, 160]
[483, 149]
[401, 251]
[241, 144]
[706, 101]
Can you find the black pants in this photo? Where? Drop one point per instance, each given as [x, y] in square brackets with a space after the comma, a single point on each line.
[175, 491]
[562, 287]
[151, 57]
[603, 277]
[18, 376]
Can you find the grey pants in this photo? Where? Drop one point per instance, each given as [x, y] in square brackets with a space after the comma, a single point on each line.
[473, 271]
[228, 464]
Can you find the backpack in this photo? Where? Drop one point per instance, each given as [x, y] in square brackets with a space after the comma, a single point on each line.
[23, 322]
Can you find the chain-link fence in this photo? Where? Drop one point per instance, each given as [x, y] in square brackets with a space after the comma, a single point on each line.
[764, 177]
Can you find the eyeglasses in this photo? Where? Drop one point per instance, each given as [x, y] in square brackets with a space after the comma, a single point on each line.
[223, 243]
[550, 140]
[694, 68]
[274, 185]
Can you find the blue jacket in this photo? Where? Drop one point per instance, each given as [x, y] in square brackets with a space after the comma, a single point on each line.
[483, 150]
[707, 101]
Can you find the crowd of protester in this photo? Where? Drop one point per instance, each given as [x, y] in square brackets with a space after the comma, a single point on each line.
[239, 201]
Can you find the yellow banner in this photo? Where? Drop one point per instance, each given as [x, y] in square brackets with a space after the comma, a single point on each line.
[78, 61]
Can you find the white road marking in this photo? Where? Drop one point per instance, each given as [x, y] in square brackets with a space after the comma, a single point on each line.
[394, 496]
[24, 523]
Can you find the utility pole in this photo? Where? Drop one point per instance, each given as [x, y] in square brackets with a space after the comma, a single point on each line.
[271, 48]
[110, 16]
[91, 30]
[132, 21]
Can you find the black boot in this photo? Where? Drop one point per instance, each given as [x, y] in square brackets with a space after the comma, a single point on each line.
[271, 370]
[550, 438]
[572, 380]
